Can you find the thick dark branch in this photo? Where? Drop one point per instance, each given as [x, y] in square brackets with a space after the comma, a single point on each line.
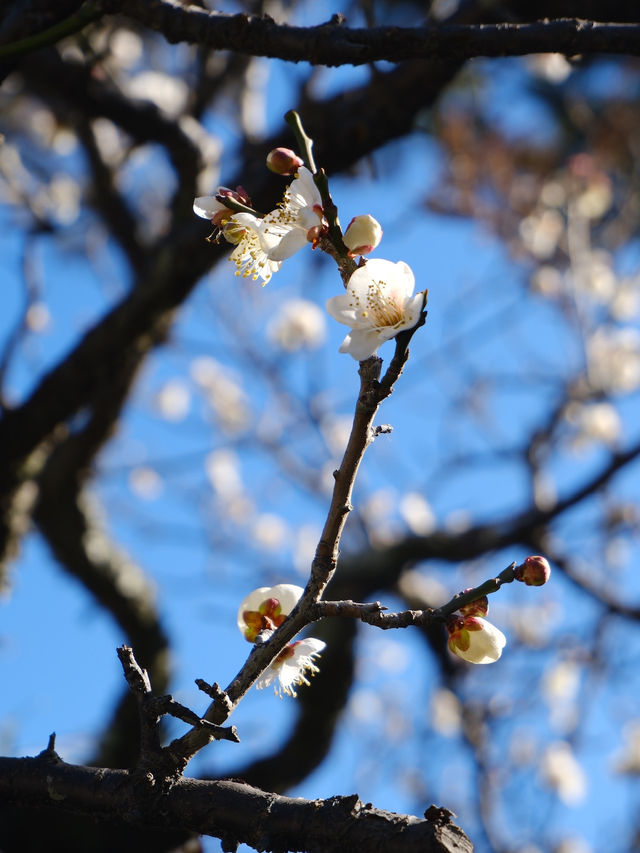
[334, 44]
[229, 810]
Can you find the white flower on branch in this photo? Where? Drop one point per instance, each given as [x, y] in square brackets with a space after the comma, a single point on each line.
[286, 229]
[475, 639]
[378, 304]
[291, 667]
[250, 255]
[266, 608]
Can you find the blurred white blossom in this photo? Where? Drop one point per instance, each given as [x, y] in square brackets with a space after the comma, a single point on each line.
[629, 763]
[223, 393]
[223, 470]
[445, 712]
[553, 67]
[146, 483]
[299, 324]
[541, 232]
[270, 532]
[417, 513]
[562, 772]
[38, 317]
[126, 47]
[168, 92]
[598, 422]
[614, 359]
[173, 400]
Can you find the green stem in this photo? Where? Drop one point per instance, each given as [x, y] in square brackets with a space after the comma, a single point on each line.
[305, 143]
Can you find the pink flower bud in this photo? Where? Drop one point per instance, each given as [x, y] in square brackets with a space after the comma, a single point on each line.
[535, 571]
[479, 607]
[363, 234]
[283, 161]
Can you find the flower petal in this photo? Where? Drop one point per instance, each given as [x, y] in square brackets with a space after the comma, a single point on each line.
[290, 243]
[362, 343]
[341, 309]
[207, 206]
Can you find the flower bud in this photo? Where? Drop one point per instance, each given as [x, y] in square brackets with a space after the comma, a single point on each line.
[214, 207]
[535, 571]
[283, 161]
[363, 234]
[475, 639]
[239, 195]
[479, 607]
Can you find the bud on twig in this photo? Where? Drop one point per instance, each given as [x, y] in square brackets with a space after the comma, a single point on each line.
[535, 571]
[363, 234]
[283, 161]
[479, 607]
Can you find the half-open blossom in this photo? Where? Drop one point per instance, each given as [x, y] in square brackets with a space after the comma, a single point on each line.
[363, 234]
[266, 608]
[286, 229]
[249, 256]
[378, 304]
[535, 571]
[475, 639]
[292, 666]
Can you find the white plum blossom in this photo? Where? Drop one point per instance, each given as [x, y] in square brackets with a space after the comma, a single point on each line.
[286, 229]
[249, 255]
[378, 304]
[475, 639]
[262, 243]
[266, 608]
[291, 667]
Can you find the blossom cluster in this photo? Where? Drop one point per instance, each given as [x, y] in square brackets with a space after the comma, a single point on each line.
[379, 301]
[472, 637]
[261, 612]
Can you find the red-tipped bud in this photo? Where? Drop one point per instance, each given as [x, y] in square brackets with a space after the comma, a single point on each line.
[363, 234]
[239, 195]
[283, 161]
[535, 571]
[479, 607]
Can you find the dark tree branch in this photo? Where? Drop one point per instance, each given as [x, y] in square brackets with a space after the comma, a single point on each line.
[334, 44]
[232, 811]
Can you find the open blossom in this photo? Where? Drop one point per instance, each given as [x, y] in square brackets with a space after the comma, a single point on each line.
[475, 639]
[249, 256]
[266, 608]
[378, 304]
[291, 667]
[286, 229]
